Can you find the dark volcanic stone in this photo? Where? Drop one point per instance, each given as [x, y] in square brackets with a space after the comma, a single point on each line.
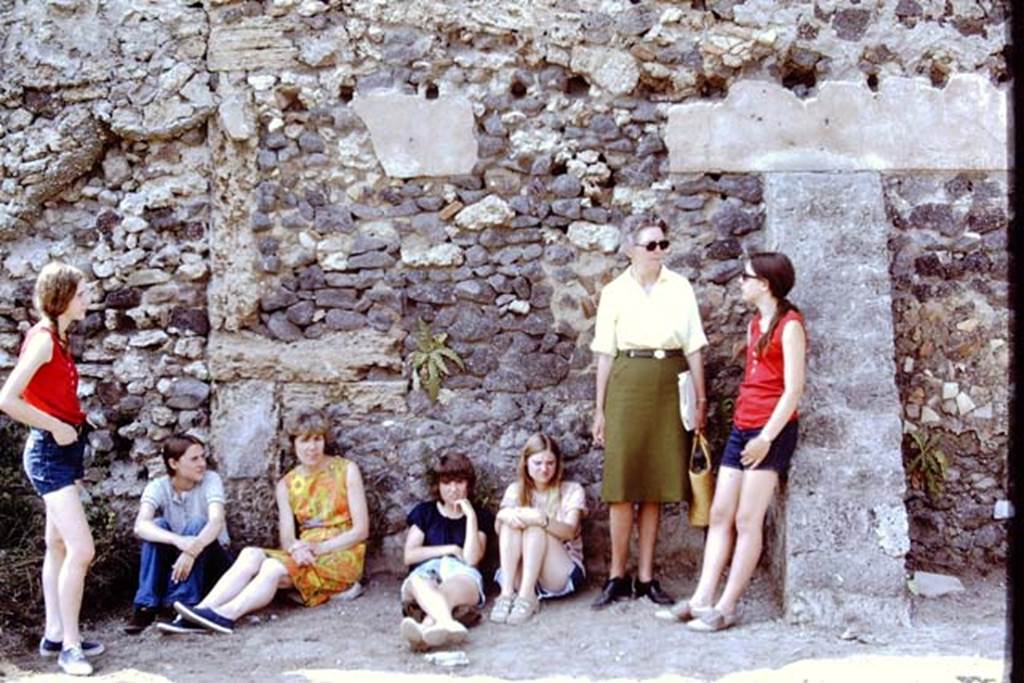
[565, 185]
[432, 293]
[735, 222]
[723, 250]
[338, 319]
[851, 23]
[311, 142]
[745, 187]
[282, 328]
[301, 313]
[123, 298]
[190, 319]
[567, 208]
[650, 144]
[934, 217]
[336, 298]
[187, 393]
[276, 299]
[311, 277]
[372, 259]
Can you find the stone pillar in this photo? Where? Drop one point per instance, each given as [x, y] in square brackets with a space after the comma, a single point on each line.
[845, 528]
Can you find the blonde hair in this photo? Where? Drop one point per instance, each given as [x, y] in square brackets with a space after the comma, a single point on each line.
[537, 443]
[55, 287]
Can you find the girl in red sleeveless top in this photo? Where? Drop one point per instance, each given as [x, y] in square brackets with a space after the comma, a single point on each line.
[41, 392]
[760, 445]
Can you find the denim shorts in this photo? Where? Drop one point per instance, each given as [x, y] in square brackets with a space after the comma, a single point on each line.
[49, 466]
[439, 569]
[779, 454]
[572, 584]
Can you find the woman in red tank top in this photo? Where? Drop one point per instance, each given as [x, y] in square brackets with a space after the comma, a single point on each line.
[41, 392]
[760, 445]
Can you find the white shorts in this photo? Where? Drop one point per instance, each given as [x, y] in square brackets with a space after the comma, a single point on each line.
[441, 569]
[572, 584]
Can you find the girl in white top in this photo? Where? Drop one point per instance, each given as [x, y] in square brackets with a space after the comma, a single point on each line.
[540, 539]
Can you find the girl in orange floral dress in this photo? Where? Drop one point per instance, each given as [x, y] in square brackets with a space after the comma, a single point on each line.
[325, 495]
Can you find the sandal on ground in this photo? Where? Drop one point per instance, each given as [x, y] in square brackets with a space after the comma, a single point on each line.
[712, 620]
[502, 606]
[681, 611]
[522, 610]
[413, 633]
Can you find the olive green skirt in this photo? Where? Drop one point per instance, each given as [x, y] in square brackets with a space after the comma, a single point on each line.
[647, 451]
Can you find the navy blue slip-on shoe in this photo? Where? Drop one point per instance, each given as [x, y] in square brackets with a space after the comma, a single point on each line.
[180, 625]
[52, 648]
[204, 616]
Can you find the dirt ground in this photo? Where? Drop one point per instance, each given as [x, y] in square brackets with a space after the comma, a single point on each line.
[959, 639]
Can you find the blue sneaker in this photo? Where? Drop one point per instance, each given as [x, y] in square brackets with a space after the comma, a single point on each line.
[51, 648]
[204, 616]
[74, 663]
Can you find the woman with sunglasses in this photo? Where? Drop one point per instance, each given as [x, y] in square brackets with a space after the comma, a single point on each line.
[648, 331]
[760, 445]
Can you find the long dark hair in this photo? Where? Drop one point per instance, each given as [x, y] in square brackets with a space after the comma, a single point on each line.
[776, 269]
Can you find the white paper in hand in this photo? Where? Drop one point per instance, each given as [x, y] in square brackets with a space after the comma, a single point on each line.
[687, 401]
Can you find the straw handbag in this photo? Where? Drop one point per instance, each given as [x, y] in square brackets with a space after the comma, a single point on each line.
[702, 482]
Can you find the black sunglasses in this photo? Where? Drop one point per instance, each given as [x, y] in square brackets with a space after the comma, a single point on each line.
[651, 246]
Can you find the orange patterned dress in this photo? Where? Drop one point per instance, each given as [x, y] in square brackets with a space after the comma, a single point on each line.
[320, 505]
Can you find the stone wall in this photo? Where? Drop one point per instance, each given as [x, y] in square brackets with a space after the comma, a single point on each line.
[271, 195]
[952, 353]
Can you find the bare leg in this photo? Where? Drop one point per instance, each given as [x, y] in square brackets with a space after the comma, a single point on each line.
[758, 487]
[620, 523]
[718, 545]
[64, 507]
[459, 590]
[535, 547]
[557, 567]
[272, 576]
[235, 579]
[650, 516]
[52, 561]
[429, 597]
[510, 550]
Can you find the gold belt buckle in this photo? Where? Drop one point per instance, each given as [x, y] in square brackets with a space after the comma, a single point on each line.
[659, 354]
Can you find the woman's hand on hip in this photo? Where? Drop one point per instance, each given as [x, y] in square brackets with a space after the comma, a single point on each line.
[755, 451]
[597, 429]
[65, 434]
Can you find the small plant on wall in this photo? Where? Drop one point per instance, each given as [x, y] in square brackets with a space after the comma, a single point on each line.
[928, 464]
[429, 367]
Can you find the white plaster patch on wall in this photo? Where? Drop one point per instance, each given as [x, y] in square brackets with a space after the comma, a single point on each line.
[892, 530]
[906, 125]
[414, 137]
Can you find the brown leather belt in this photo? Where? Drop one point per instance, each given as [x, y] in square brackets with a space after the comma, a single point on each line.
[652, 353]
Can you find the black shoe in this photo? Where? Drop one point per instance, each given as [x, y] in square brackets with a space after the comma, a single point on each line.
[652, 591]
[142, 617]
[615, 588]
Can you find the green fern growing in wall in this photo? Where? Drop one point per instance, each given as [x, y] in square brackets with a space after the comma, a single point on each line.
[429, 367]
[928, 466]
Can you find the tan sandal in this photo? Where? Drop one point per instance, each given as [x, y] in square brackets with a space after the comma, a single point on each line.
[711, 621]
[681, 611]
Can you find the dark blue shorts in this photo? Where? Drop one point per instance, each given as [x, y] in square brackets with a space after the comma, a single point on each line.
[51, 467]
[779, 454]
